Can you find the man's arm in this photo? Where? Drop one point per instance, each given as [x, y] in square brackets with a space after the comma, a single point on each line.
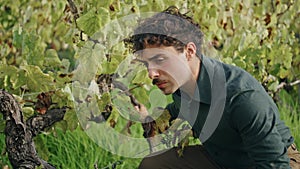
[255, 116]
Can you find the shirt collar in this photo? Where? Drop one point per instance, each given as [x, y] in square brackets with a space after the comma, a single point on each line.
[203, 83]
[203, 94]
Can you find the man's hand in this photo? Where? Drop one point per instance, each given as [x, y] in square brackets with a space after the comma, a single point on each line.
[142, 111]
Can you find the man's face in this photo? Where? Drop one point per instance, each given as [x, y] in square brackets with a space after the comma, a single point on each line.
[168, 68]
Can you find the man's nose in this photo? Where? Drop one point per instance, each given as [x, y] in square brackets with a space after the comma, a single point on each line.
[153, 73]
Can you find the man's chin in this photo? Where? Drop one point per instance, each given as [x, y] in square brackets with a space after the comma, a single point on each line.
[166, 92]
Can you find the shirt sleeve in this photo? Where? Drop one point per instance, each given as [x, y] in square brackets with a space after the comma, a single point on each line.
[255, 116]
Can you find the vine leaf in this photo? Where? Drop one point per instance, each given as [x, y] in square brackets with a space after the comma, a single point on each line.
[52, 59]
[92, 21]
[163, 122]
[36, 80]
[31, 45]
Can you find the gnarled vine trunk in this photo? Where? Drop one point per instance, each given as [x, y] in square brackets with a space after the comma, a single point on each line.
[19, 135]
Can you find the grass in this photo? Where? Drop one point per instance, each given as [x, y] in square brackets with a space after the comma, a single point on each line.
[73, 150]
[290, 113]
[76, 150]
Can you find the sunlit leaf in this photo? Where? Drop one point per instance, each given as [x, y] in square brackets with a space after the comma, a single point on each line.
[93, 20]
[33, 48]
[110, 66]
[18, 38]
[61, 125]
[52, 59]
[141, 77]
[36, 80]
[71, 119]
[157, 99]
[141, 95]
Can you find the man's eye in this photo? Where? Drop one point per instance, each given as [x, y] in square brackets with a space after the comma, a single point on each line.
[159, 60]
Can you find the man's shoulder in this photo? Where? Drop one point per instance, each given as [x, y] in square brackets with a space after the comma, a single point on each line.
[238, 80]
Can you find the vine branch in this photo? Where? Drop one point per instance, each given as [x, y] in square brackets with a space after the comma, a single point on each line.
[283, 85]
[19, 134]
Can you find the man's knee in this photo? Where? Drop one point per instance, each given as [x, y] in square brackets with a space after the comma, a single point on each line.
[146, 164]
[161, 160]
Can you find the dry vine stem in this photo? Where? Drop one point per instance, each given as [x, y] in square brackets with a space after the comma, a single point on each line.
[19, 135]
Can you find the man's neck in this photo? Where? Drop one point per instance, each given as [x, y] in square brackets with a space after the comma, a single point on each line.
[191, 85]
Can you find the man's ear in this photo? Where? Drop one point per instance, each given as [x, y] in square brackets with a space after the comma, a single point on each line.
[190, 49]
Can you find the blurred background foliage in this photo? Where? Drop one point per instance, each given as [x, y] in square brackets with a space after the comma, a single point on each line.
[42, 41]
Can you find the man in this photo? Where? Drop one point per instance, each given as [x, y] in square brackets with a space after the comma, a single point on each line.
[235, 119]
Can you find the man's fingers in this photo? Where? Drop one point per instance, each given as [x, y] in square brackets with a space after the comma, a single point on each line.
[142, 111]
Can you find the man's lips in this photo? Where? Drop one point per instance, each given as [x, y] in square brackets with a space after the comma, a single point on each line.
[160, 84]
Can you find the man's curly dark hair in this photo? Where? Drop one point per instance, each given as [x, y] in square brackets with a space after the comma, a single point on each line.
[167, 28]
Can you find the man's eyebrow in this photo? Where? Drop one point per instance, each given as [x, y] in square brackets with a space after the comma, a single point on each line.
[155, 57]
[150, 59]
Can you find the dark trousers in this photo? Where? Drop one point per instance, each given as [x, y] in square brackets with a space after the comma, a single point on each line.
[193, 157]
[196, 157]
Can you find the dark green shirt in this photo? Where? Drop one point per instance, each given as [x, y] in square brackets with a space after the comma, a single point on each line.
[249, 132]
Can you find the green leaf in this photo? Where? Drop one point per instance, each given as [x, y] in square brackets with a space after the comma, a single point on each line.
[91, 56]
[103, 102]
[273, 86]
[157, 99]
[71, 119]
[93, 20]
[240, 63]
[122, 102]
[19, 79]
[18, 38]
[90, 22]
[33, 48]
[98, 4]
[13, 77]
[7, 70]
[124, 67]
[283, 73]
[141, 77]
[114, 116]
[36, 80]
[141, 95]
[275, 69]
[51, 59]
[61, 125]
[163, 120]
[65, 65]
[111, 66]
